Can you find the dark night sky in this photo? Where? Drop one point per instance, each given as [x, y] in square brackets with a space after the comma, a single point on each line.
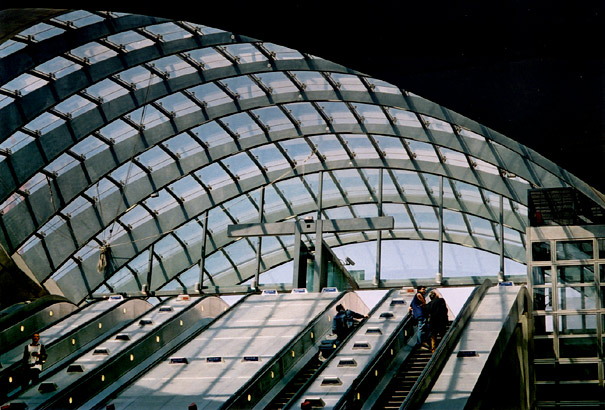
[531, 70]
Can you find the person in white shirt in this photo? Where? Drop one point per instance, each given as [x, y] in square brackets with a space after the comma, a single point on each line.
[34, 356]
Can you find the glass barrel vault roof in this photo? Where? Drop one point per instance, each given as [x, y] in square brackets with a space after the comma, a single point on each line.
[149, 137]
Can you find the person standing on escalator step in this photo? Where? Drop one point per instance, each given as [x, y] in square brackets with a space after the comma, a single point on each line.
[437, 311]
[344, 321]
[418, 309]
[34, 355]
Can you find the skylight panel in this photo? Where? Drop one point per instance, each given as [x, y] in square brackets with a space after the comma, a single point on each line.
[350, 181]
[130, 40]
[174, 66]
[329, 147]
[273, 118]
[183, 145]
[399, 214]
[127, 173]
[25, 84]
[299, 151]
[212, 134]
[15, 141]
[169, 31]
[436, 124]
[106, 90]
[380, 86]
[41, 31]
[210, 94]
[312, 81]
[278, 82]
[338, 112]
[242, 125]
[93, 52]
[349, 82]
[240, 252]
[455, 158]
[306, 114]
[371, 114]
[246, 53]
[76, 206]
[5, 100]
[191, 232]
[10, 46]
[391, 147]
[214, 176]
[118, 131]
[360, 146]
[75, 105]
[453, 221]
[52, 225]
[36, 182]
[162, 201]
[135, 217]
[486, 167]
[79, 18]
[179, 104]
[217, 263]
[62, 164]
[404, 118]
[121, 279]
[270, 157]
[140, 76]
[155, 157]
[424, 151]
[209, 58]
[89, 146]
[243, 209]
[282, 53]
[410, 182]
[167, 246]
[44, 123]
[340, 212]
[425, 217]
[244, 87]
[148, 116]
[241, 166]
[481, 227]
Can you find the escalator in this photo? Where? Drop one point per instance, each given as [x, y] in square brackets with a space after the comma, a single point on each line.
[280, 401]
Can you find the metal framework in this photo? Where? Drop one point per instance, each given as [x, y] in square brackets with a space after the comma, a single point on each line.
[129, 143]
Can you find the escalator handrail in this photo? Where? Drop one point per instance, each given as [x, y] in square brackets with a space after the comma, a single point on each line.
[308, 383]
[427, 378]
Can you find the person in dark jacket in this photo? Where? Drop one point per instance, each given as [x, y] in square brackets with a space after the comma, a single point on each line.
[344, 321]
[34, 356]
[418, 309]
[437, 312]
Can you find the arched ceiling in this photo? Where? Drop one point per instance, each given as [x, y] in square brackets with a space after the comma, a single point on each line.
[140, 139]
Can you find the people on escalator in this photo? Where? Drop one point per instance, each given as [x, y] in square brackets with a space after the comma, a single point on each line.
[34, 356]
[437, 312]
[418, 309]
[344, 322]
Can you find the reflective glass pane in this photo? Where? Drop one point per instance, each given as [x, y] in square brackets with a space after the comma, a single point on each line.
[243, 87]
[542, 299]
[79, 18]
[541, 275]
[575, 274]
[577, 324]
[540, 251]
[59, 67]
[576, 298]
[130, 40]
[282, 53]
[567, 250]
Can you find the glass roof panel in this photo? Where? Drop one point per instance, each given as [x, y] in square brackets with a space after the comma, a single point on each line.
[361, 146]
[404, 118]
[89, 146]
[191, 232]
[135, 217]
[209, 58]
[130, 40]
[218, 220]
[486, 167]
[41, 31]
[174, 65]
[59, 67]
[79, 18]
[187, 188]
[148, 116]
[278, 82]
[455, 158]
[400, 214]
[5, 100]
[167, 246]
[371, 114]
[34, 183]
[183, 145]
[25, 83]
[155, 157]
[453, 221]
[214, 176]
[15, 141]
[349, 82]
[391, 146]
[298, 150]
[118, 131]
[93, 52]
[216, 263]
[243, 86]
[207, 30]
[102, 188]
[380, 86]
[366, 210]
[62, 164]
[161, 201]
[242, 125]
[212, 134]
[282, 53]
[273, 118]
[424, 151]
[351, 182]
[139, 76]
[270, 157]
[241, 166]
[106, 89]
[9, 47]
[76, 206]
[312, 80]
[240, 252]
[481, 227]
[246, 52]
[339, 213]
[45, 122]
[329, 146]
[169, 31]
[179, 104]
[306, 114]
[127, 173]
[436, 124]
[467, 133]
[410, 181]
[120, 279]
[424, 216]
[211, 94]
[75, 105]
